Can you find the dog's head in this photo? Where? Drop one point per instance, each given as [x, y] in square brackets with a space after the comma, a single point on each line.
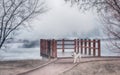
[74, 53]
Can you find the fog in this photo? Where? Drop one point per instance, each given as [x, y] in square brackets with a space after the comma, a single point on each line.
[62, 21]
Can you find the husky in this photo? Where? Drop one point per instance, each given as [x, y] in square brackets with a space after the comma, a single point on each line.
[76, 56]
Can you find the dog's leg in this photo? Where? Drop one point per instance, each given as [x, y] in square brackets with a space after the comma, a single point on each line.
[74, 60]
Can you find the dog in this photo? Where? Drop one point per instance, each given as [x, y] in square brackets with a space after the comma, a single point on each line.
[76, 56]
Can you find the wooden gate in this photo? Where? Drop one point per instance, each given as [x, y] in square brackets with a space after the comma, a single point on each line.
[84, 46]
[48, 48]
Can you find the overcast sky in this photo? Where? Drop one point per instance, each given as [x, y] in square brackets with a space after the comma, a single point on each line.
[61, 21]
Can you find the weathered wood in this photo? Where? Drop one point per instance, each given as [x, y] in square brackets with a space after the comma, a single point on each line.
[85, 42]
[55, 48]
[78, 45]
[74, 45]
[62, 45]
[94, 50]
[65, 44]
[99, 50]
[89, 46]
[46, 48]
[52, 48]
[81, 46]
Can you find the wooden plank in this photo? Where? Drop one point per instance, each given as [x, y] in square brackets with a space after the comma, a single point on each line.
[63, 45]
[45, 46]
[51, 48]
[52, 43]
[66, 48]
[85, 42]
[55, 48]
[94, 50]
[65, 40]
[89, 47]
[75, 45]
[99, 49]
[66, 44]
[89, 43]
[81, 45]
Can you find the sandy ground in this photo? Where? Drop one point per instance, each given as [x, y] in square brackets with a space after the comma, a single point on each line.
[15, 67]
[55, 68]
[95, 67]
[87, 66]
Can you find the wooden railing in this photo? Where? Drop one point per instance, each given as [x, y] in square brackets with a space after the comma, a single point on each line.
[84, 46]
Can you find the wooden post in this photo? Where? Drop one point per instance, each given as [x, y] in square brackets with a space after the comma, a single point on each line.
[94, 50]
[81, 45]
[43, 46]
[85, 42]
[63, 45]
[78, 45]
[89, 41]
[49, 48]
[52, 48]
[55, 48]
[46, 49]
[74, 45]
[99, 49]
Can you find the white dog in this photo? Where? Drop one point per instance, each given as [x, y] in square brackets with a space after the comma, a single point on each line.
[76, 56]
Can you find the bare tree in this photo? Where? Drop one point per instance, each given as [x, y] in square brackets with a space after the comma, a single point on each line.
[14, 13]
[109, 13]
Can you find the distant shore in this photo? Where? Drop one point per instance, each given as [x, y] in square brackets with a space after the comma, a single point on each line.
[19, 66]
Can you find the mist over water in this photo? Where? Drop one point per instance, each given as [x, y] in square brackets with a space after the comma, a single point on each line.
[60, 21]
[19, 53]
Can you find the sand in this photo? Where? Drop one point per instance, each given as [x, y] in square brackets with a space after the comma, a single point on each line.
[16, 67]
[99, 67]
[87, 66]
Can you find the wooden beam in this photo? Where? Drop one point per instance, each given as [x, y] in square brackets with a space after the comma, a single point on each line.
[81, 43]
[74, 45]
[78, 45]
[89, 43]
[94, 50]
[63, 45]
[99, 49]
[85, 42]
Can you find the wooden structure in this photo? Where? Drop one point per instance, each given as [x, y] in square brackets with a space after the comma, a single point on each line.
[84, 46]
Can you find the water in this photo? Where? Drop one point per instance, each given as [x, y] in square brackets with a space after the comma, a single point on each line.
[15, 53]
[105, 51]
